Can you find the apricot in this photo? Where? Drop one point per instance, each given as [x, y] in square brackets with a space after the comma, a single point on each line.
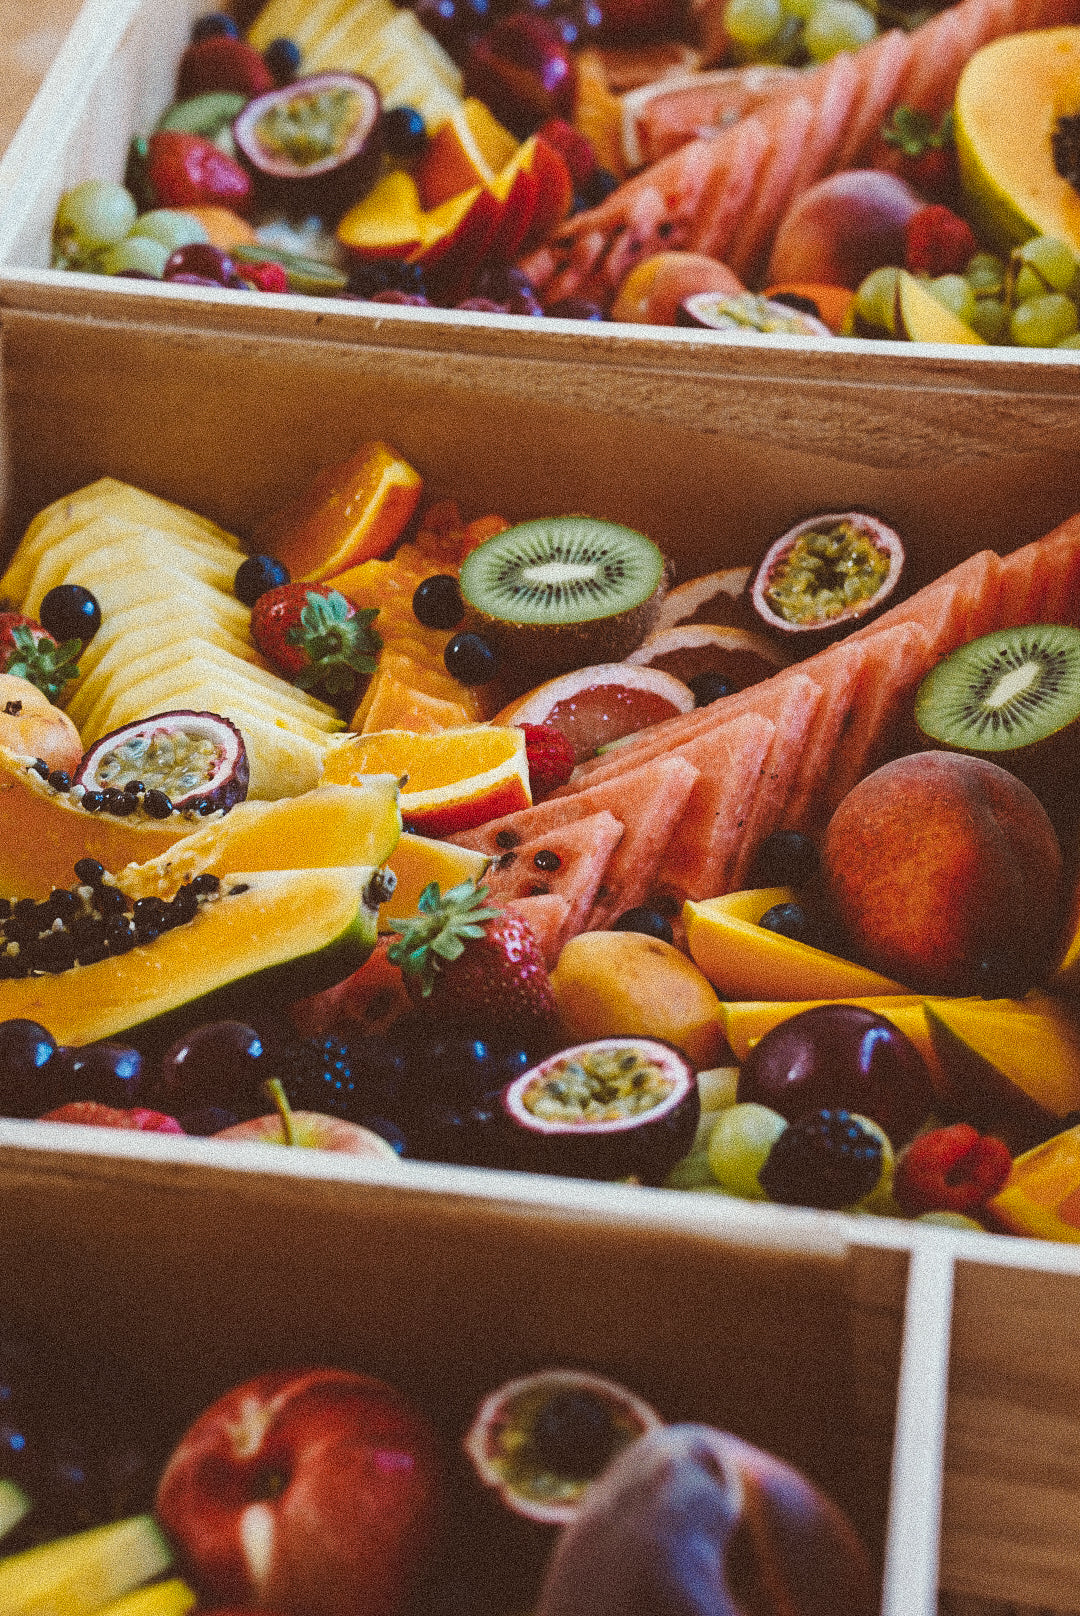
[654, 289]
[842, 228]
[611, 984]
[946, 872]
[31, 726]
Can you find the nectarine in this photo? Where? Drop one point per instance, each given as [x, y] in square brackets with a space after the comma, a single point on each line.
[842, 228]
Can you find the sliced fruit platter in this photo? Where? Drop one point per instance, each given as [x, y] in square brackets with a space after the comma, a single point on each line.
[313, 1490]
[817, 168]
[394, 832]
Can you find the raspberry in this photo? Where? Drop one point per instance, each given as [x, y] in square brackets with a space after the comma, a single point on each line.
[953, 1169]
[551, 758]
[829, 1160]
[938, 242]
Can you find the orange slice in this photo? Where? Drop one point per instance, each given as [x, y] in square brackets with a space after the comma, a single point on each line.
[391, 703]
[456, 779]
[353, 511]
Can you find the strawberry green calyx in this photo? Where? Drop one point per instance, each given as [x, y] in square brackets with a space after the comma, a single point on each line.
[915, 133]
[339, 643]
[439, 930]
[40, 660]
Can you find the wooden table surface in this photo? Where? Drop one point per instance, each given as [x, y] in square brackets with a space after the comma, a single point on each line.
[31, 33]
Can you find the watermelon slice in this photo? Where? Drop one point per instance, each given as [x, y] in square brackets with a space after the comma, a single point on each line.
[1041, 582]
[546, 915]
[897, 659]
[792, 726]
[649, 801]
[582, 849]
[731, 759]
[832, 716]
[957, 607]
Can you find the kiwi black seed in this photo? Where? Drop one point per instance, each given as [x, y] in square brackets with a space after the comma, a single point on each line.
[564, 592]
[1006, 691]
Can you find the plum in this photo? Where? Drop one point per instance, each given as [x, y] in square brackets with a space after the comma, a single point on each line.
[689, 1521]
[840, 229]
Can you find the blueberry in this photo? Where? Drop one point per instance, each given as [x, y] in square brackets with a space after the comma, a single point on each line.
[646, 921]
[283, 58]
[708, 687]
[470, 659]
[404, 132]
[437, 602]
[787, 858]
[828, 1160]
[788, 920]
[70, 612]
[215, 22]
[256, 575]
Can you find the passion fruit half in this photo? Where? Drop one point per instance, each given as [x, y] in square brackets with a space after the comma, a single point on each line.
[747, 311]
[312, 145]
[193, 762]
[614, 1108]
[827, 576]
[541, 1439]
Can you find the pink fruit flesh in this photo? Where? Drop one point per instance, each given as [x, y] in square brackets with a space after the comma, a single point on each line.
[604, 713]
[842, 228]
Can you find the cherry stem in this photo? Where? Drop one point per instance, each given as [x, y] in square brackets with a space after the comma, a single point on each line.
[274, 1090]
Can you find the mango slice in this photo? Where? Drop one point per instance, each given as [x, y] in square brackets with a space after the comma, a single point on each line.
[75, 1576]
[171, 1598]
[1042, 1195]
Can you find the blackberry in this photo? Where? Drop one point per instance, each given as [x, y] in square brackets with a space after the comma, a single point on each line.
[828, 1160]
[323, 1074]
[708, 687]
[257, 575]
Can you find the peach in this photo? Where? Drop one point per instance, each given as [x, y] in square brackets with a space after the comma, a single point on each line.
[840, 229]
[654, 289]
[31, 726]
[946, 872]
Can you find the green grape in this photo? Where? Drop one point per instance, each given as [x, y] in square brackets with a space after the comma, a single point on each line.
[1070, 342]
[692, 1173]
[990, 320]
[134, 252]
[875, 300]
[1043, 322]
[739, 1147]
[880, 1199]
[985, 275]
[949, 1220]
[838, 25]
[94, 215]
[1026, 285]
[753, 23]
[956, 294]
[800, 8]
[1053, 262]
[172, 228]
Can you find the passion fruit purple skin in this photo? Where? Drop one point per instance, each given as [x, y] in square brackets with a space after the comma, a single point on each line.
[482, 1440]
[809, 635]
[644, 1147]
[840, 1056]
[327, 184]
[224, 785]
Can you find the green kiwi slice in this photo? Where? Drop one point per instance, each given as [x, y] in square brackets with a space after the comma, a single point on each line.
[1005, 691]
[564, 591]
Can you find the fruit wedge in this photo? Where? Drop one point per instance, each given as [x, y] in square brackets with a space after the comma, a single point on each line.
[745, 1021]
[14, 1505]
[568, 861]
[469, 149]
[171, 1598]
[454, 780]
[417, 861]
[921, 318]
[745, 961]
[75, 1576]
[352, 512]
[1041, 1197]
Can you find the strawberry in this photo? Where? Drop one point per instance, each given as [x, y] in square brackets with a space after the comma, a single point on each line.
[478, 966]
[177, 170]
[550, 757]
[266, 277]
[220, 62]
[952, 1169]
[938, 242]
[30, 652]
[927, 153]
[314, 636]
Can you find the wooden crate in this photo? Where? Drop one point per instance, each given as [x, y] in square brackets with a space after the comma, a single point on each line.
[114, 77]
[927, 1377]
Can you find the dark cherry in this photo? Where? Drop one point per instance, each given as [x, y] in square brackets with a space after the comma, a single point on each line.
[283, 58]
[404, 132]
[26, 1052]
[646, 921]
[256, 575]
[221, 1063]
[840, 1056]
[437, 602]
[470, 659]
[70, 612]
[215, 22]
[200, 258]
[112, 1074]
[787, 858]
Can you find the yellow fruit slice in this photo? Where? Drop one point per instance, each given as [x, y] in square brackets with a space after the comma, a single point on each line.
[745, 961]
[1006, 1056]
[75, 1576]
[417, 861]
[14, 1504]
[745, 1022]
[1006, 164]
[1041, 1197]
[921, 318]
[455, 779]
[171, 1598]
[320, 829]
[303, 21]
[392, 703]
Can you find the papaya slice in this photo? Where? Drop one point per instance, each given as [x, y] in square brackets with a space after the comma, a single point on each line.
[1041, 1197]
[271, 936]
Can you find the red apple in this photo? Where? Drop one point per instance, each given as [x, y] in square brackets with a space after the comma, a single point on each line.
[309, 1492]
[314, 1131]
[111, 1116]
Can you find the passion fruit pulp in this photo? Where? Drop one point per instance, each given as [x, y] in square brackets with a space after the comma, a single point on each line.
[827, 576]
[195, 761]
[312, 145]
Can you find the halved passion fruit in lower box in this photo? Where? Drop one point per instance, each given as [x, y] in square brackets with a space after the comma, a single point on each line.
[827, 576]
